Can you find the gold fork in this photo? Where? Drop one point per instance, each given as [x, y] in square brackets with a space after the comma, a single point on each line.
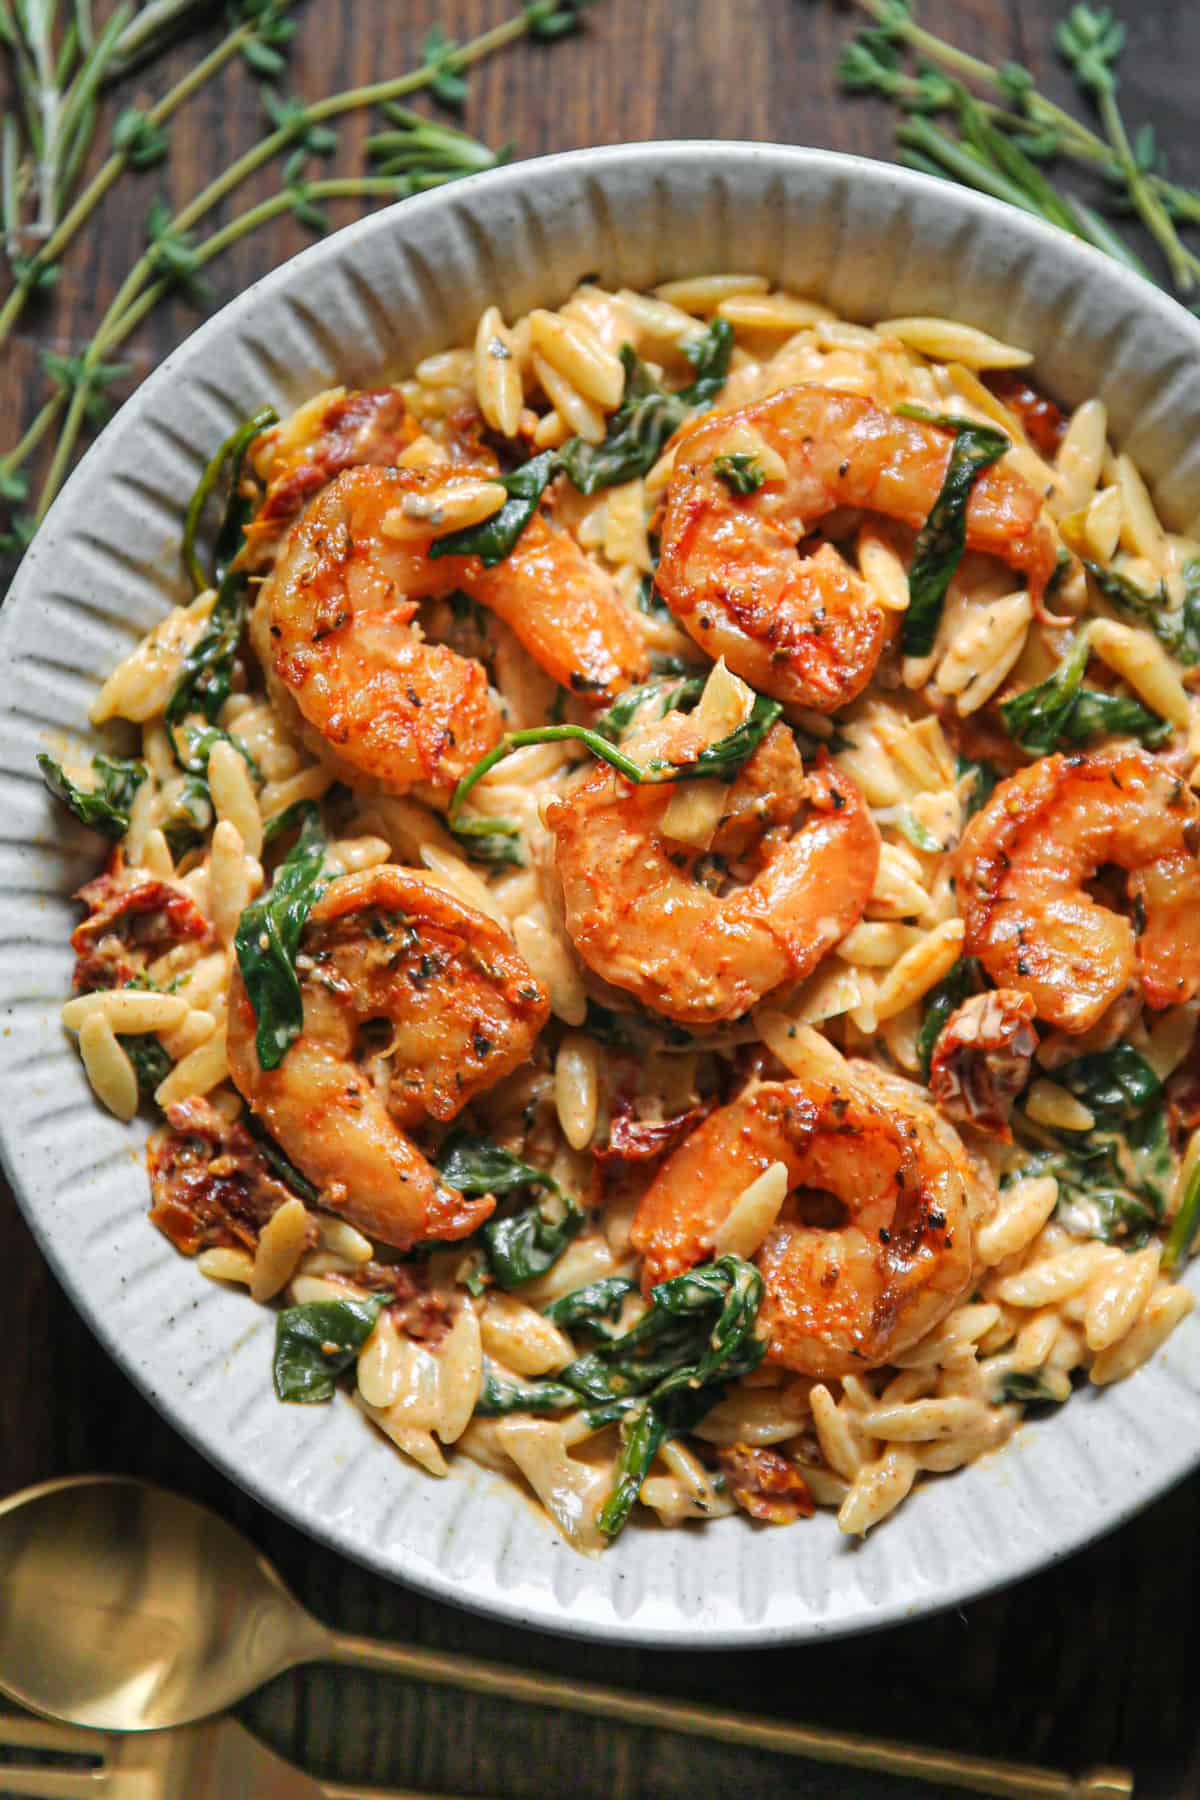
[219, 1759]
[215, 1760]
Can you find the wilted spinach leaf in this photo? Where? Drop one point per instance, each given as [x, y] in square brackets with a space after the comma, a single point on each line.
[1178, 628]
[1115, 1084]
[1035, 718]
[524, 1244]
[964, 979]
[496, 843]
[498, 1396]
[740, 472]
[206, 678]
[648, 414]
[984, 780]
[268, 936]
[492, 539]
[104, 807]
[315, 1343]
[231, 455]
[151, 1064]
[672, 695]
[943, 537]
[1061, 710]
[593, 1304]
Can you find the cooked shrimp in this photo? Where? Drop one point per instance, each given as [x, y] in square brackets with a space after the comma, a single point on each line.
[1023, 869]
[460, 1009]
[335, 625]
[641, 917]
[804, 628]
[873, 1246]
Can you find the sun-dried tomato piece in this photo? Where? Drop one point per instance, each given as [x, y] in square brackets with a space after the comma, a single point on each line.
[371, 426]
[765, 1484]
[981, 1060]
[210, 1184]
[637, 1142]
[1045, 424]
[131, 920]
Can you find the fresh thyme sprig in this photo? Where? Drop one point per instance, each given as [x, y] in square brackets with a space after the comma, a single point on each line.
[1007, 127]
[259, 34]
[417, 154]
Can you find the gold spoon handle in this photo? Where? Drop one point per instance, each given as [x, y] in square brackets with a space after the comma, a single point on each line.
[979, 1774]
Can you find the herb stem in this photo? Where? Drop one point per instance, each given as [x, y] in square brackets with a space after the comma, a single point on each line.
[349, 100]
[1184, 1225]
[923, 136]
[1077, 139]
[110, 171]
[1184, 266]
[114, 326]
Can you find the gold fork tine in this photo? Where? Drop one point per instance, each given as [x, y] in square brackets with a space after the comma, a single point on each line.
[45, 1781]
[53, 1784]
[21, 1731]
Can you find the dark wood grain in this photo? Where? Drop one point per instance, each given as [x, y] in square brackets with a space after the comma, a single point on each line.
[1093, 1660]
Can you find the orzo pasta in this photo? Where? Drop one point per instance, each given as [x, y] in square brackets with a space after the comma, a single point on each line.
[657, 898]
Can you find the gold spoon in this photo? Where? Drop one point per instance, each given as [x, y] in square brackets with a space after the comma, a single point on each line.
[128, 1608]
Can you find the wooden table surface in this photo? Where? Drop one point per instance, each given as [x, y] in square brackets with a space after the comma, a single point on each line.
[1092, 1661]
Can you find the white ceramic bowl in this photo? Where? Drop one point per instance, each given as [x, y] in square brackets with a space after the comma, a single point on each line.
[874, 242]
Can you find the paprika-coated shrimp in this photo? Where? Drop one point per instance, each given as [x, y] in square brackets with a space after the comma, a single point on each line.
[335, 625]
[805, 628]
[851, 1282]
[460, 1010]
[640, 918]
[1023, 869]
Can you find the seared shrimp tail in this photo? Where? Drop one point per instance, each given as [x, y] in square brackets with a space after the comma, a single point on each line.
[734, 571]
[459, 1009]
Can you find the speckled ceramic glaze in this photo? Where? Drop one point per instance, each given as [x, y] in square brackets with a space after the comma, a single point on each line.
[872, 241]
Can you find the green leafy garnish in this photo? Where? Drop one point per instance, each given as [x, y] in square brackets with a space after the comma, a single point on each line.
[1061, 710]
[709, 353]
[1035, 719]
[151, 1064]
[524, 1245]
[268, 936]
[498, 1396]
[492, 539]
[1028, 1390]
[1097, 714]
[728, 753]
[315, 1343]
[279, 1162]
[917, 833]
[655, 1380]
[1114, 1084]
[478, 1165]
[206, 678]
[707, 1317]
[964, 979]
[104, 807]
[721, 759]
[496, 843]
[191, 816]
[1184, 1226]
[521, 1245]
[231, 455]
[943, 537]
[740, 472]
[983, 783]
[1178, 628]
[1114, 1183]
[593, 1304]
[671, 694]
[649, 414]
